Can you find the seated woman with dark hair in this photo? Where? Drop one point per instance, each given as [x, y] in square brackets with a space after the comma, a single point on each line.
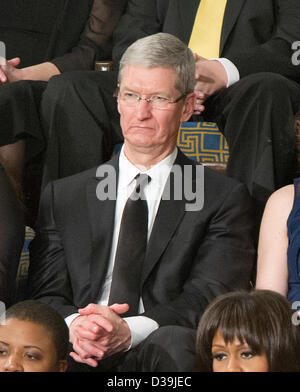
[278, 261]
[248, 332]
[33, 338]
[12, 232]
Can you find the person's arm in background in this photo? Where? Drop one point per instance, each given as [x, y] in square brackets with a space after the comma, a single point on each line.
[10, 73]
[94, 44]
[272, 267]
[275, 55]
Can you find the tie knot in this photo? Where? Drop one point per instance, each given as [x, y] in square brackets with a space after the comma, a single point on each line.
[141, 181]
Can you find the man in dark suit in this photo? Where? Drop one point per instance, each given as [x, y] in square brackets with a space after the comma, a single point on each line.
[198, 224]
[252, 95]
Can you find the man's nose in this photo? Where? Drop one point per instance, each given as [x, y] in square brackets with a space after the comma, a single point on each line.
[143, 109]
[13, 364]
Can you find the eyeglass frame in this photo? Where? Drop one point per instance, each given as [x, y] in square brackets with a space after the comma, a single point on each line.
[149, 100]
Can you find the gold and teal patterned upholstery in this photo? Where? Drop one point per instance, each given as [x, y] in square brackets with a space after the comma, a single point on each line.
[23, 265]
[203, 142]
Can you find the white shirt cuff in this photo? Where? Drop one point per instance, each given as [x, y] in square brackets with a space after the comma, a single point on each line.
[69, 319]
[140, 327]
[233, 74]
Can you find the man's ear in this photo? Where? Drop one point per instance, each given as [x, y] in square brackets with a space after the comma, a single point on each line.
[189, 107]
[118, 105]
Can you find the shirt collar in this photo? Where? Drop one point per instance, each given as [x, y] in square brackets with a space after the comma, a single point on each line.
[127, 171]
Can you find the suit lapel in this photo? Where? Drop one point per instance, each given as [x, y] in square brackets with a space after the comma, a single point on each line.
[232, 12]
[169, 216]
[187, 10]
[101, 218]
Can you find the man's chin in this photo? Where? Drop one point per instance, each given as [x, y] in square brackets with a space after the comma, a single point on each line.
[141, 141]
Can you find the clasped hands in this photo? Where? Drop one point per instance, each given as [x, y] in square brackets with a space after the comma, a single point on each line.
[211, 77]
[99, 332]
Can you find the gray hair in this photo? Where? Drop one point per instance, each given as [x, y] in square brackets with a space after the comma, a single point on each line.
[162, 50]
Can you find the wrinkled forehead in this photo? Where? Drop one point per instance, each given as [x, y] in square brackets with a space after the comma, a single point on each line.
[148, 77]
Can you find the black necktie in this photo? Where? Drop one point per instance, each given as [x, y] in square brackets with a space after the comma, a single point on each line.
[131, 249]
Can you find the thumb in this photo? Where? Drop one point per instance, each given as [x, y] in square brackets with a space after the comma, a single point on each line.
[89, 309]
[15, 61]
[119, 308]
[195, 56]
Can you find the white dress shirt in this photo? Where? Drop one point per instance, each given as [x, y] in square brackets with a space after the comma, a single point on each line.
[140, 326]
[233, 74]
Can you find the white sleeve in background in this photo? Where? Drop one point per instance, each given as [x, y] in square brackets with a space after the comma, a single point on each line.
[140, 327]
[233, 74]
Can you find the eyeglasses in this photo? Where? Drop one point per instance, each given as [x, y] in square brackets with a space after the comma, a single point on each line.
[156, 101]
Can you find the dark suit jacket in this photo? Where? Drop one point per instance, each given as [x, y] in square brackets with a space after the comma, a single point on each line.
[256, 34]
[192, 256]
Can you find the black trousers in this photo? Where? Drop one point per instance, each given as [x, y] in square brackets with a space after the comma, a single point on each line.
[19, 113]
[81, 122]
[168, 349]
[12, 232]
[257, 117]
